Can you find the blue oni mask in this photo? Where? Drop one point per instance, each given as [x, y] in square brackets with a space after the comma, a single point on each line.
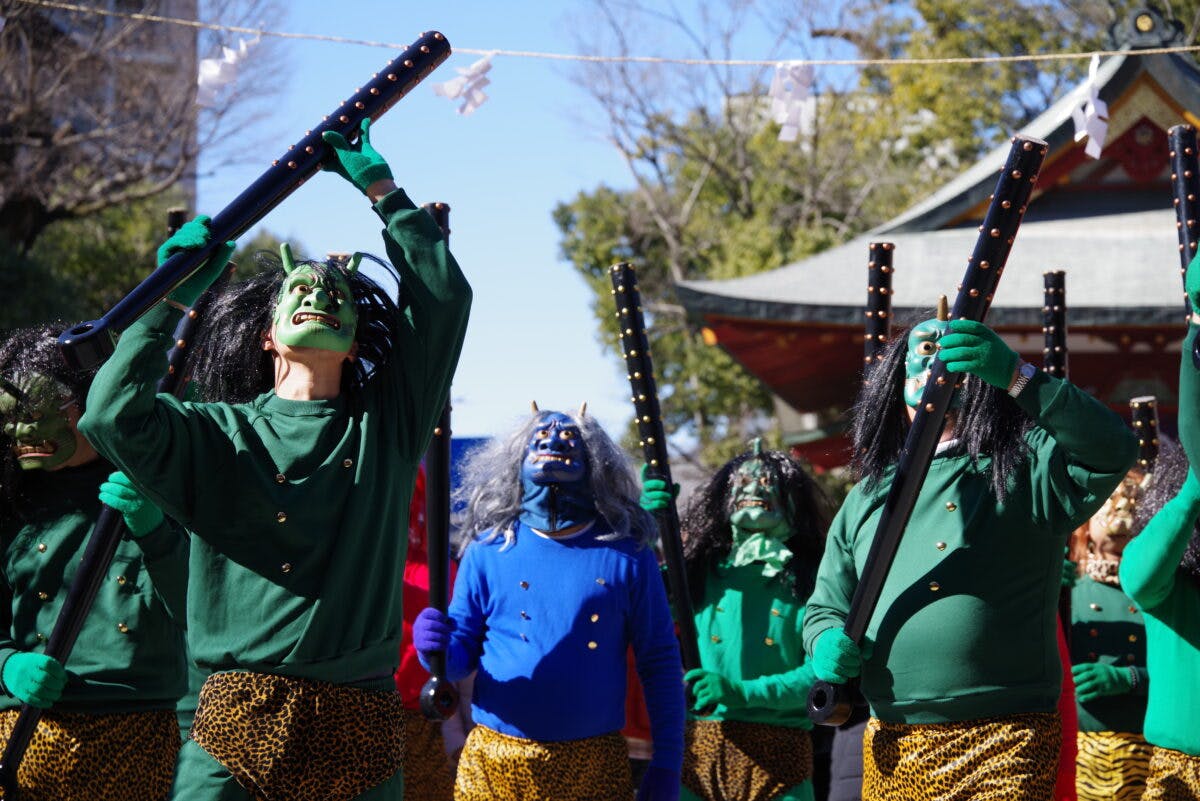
[554, 476]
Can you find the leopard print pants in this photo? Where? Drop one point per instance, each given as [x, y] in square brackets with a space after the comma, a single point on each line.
[996, 759]
[290, 739]
[427, 772]
[77, 757]
[1111, 766]
[1174, 776]
[730, 759]
[497, 767]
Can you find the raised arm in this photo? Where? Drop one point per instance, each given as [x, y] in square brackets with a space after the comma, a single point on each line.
[1151, 560]
[153, 438]
[435, 296]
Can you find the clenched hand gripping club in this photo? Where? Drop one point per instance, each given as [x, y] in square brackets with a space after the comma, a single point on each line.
[636, 347]
[831, 704]
[88, 344]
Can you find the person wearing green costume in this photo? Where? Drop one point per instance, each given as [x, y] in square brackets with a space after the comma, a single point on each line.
[959, 662]
[1160, 571]
[1108, 653]
[754, 534]
[293, 475]
[109, 726]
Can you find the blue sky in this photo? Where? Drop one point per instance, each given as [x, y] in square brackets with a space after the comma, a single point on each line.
[502, 170]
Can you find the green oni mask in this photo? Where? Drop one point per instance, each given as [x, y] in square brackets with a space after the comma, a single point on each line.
[33, 412]
[922, 349]
[757, 505]
[316, 306]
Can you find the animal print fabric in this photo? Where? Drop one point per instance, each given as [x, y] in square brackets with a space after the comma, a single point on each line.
[1174, 776]
[738, 761]
[291, 739]
[1111, 766]
[77, 757]
[497, 767]
[995, 759]
[427, 772]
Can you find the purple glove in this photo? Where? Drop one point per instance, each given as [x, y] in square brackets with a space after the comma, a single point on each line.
[432, 630]
[659, 784]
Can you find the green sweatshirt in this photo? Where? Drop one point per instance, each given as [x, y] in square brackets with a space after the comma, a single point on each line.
[129, 656]
[299, 509]
[749, 630]
[1170, 603]
[965, 625]
[1106, 626]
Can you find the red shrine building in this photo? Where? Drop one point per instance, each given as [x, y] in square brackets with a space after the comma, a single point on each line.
[1109, 223]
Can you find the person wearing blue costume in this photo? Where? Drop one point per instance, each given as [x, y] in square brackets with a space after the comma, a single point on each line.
[556, 584]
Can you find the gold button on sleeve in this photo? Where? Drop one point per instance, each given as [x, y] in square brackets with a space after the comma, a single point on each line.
[941, 546]
[715, 638]
[286, 567]
[934, 586]
[595, 617]
[592, 645]
[281, 517]
[768, 641]
[348, 463]
[280, 478]
[951, 506]
[41, 547]
[121, 627]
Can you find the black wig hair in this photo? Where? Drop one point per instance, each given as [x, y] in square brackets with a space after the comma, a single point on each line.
[23, 352]
[989, 422]
[709, 537]
[228, 362]
[1170, 471]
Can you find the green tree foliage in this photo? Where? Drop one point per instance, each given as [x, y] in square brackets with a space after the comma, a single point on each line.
[715, 195]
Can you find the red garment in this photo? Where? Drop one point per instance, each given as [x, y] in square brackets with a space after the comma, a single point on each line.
[1064, 785]
[410, 676]
[637, 719]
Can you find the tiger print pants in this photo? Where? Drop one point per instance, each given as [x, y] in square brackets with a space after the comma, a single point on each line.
[730, 760]
[1174, 776]
[1111, 766]
[497, 767]
[428, 774]
[78, 757]
[995, 759]
[290, 739]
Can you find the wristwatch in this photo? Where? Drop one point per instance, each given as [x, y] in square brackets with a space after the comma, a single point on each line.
[1025, 371]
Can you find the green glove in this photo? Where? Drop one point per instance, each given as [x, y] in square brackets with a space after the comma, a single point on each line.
[34, 679]
[711, 689]
[654, 497]
[360, 164]
[194, 235]
[836, 657]
[973, 348]
[1192, 283]
[141, 516]
[1094, 680]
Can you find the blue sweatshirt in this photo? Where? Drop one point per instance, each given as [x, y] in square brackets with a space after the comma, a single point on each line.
[547, 623]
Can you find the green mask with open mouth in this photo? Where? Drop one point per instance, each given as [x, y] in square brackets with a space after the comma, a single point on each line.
[316, 306]
[33, 412]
